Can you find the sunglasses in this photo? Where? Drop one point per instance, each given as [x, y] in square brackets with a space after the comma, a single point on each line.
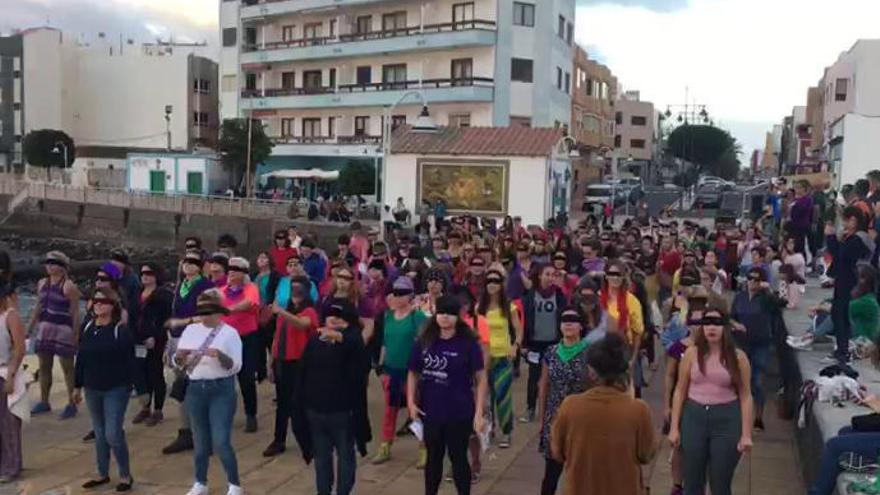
[496, 281]
[446, 313]
[103, 300]
[281, 238]
[103, 278]
[345, 277]
[192, 262]
[712, 321]
[570, 318]
[191, 246]
[148, 273]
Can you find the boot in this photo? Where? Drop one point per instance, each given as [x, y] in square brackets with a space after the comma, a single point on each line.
[384, 454]
[183, 442]
[141, 416]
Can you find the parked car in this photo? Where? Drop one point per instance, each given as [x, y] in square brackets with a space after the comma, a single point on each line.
[598, 195]
[709, 194]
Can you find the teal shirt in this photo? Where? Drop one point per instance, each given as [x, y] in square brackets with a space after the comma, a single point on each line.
[282, 294]
[864, 314]
[400, 337]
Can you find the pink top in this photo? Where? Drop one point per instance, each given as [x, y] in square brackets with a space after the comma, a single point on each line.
[244, 321]
[713, 388]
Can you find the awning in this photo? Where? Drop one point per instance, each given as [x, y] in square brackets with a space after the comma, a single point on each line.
[314, 174]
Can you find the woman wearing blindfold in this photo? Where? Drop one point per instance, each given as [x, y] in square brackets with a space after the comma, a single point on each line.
[712, 407]
[151, 337]
[624, 309]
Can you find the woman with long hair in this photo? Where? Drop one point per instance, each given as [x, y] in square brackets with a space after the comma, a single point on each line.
[446, 389]
[266, 279]
[864, 312]
[504, 322]
[712, 407]
[105, 365]
[623, 307]
[563, 373]
[13, 381]
[435, 287]
[150, 339]
[343, 288]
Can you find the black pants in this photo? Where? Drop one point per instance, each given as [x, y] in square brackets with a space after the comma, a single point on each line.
[251, 347]
[267, 333]
[840, 318]
[287, 377]
[453, 437]
[150, 378]
[552, 473]
[534, 378]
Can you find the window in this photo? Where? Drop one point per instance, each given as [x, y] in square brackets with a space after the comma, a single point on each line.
[638, 120]
[392, 74]
[459, 120]
[332, 28]
[462, 14]
[521, 69]
[312, 79]
[361, 126]
[618, 118]
[364, 75]
[560, 29]
[364, 24]
[331, 127]
[312, 30]
[250, 81]
[394, 21]
[558, 78]
[288, 80]
[617, 141]
[520, 122]
[287, 33]
[589, 87]
[196, 88]
[840, 87]
[250, 36]
[287, 127]
[311, 127]
[230, 83]
[229, 36]
[332, 74]
[523, 14]
[462, 71]
[397, 121]
[200, 119]
[637, 143]
[569, 33]
[568, 82]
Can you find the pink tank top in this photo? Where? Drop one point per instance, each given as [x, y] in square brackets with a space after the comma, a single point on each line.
[713, 388]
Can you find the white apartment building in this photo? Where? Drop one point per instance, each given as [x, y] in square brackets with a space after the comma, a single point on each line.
[109, 96]
[320, 74]
[851, 112]
[636, 124]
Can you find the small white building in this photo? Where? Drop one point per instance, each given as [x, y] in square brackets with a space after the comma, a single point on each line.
[485, 171]
[175, 173]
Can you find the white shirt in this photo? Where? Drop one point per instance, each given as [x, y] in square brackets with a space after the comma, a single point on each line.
[296, 242]
[227, 341]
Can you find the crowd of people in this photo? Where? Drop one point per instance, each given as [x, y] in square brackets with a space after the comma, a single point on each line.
[447, 317]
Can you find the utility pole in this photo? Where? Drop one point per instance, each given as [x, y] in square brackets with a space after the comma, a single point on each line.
[247, 176]
[168, 109]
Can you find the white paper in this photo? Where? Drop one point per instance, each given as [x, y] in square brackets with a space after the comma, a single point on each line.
[140, 351]
[417, 429]
[533, 357]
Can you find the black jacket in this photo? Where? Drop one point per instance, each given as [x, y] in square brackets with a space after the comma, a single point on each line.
[105, 359]
[153, 314]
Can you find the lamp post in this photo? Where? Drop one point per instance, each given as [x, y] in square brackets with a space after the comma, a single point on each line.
[59, 145]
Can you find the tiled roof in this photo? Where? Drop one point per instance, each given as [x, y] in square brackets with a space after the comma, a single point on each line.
[485, 141]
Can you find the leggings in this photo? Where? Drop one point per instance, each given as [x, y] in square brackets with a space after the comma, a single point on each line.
[150, 380]
[451, 436]
[709, 436]
[252, 346]
[47, 362]
[552, 473]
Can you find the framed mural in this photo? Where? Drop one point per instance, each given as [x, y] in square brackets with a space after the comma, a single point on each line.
[468, 186]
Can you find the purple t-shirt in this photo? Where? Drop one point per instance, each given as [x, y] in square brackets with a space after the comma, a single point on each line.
[802, 212]
[447, 369]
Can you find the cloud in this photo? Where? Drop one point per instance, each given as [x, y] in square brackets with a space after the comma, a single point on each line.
[655, 5]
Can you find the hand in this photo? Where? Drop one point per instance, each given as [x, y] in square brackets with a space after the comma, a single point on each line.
[674, 438]
[275, 308]
[872, 401]
[150, 343]
[764, 285]
[479, 423]
[214, 353]
[415, 414]
[739, 327]
[829, 229]
[9, 385]
[744, 445]
[77, 396]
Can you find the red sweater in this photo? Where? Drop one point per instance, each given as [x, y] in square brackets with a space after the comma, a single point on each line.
[296, 338]
[279, 258]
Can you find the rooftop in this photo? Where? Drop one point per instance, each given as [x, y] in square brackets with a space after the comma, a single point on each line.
[483, 141]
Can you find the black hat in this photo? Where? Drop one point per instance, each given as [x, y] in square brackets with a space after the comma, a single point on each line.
[448, 305]
[119, 255]
[344, 310]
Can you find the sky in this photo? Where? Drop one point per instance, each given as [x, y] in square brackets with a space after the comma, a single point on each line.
[749, 61]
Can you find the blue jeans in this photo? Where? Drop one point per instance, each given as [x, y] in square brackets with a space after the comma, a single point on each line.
[822, 325]
[211, 408]
[333, 431]
[864, 444]
[107, 409]
[758, 355]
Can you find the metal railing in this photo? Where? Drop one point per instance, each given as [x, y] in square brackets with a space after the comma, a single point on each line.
[326, 139]
[446, 27]
[373, 87]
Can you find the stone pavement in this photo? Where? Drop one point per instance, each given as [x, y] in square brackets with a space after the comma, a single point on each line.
[57, 462]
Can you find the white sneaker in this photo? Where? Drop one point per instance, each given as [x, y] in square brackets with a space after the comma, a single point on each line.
[235, 490]
[198, 489]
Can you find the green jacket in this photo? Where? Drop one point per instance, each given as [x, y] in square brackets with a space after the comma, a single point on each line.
[864, 314]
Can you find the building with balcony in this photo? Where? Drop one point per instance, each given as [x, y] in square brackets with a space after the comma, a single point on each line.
[109, 96]
[635, 126]
[322, 74]
[592, 118]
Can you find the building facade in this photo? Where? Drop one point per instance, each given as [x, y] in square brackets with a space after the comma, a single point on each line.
[592, 118]
[321, 74]
[110, 98]
[635, 126]
[11, 122]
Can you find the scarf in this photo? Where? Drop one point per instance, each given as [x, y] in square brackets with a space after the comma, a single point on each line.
[187, 285]
[568, 352]
[235, 292]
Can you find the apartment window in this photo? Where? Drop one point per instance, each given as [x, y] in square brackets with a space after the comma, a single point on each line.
[617, 141]
[201, 86]
[559, 78]
[332, 82]
[394, 75]
[312, 30]
[397, 121]
[618, 118]
[364, 75]
[196, 88]
[523, 14]
[229, 83]
[840, 87]
[638, 120]
[311, 127]
[250, 36]
[560, 29]
[521, 69]
[312, 79]
[287, 127]
[638, 144]
[250, 81]
[332, 28]
[229, 36]
[364, 24]
[200, 119]
[331, 127]
[459, 120]
[288, 80]
[569, 33]
[394, 21]
[361, 125]
[287, 33]
[520, 122]
[589, 87]
[462, 13]
[568, 82]
[462, 71]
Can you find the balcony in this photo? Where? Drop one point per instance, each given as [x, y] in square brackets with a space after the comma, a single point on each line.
[351, 146]
[475, 89]
[256, 9]
[429, 37]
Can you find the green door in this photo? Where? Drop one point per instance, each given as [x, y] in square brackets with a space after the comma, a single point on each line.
[194, 183]
[157, 181]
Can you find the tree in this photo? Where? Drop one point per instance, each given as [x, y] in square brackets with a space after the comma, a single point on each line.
[47, 148]
[708, 147]
[357, 177]
[234, 145]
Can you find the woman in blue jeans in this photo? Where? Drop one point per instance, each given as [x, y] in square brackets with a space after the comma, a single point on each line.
[209, 352]
[105, 366]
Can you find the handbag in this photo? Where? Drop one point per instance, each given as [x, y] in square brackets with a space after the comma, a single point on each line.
[178, 388]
